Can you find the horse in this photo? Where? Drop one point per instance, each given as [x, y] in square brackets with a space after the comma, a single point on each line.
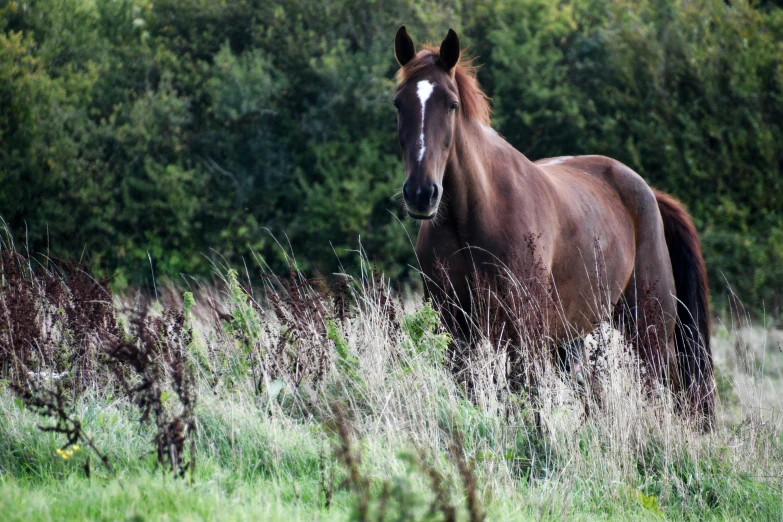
[596, 226]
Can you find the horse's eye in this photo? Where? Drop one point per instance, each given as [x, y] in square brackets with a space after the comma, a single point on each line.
[453, 107]
[397, 105]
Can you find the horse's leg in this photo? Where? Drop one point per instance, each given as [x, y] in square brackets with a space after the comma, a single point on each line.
[648, 312]
[570, 355]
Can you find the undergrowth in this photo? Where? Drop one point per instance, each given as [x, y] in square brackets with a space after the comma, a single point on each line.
[297, 397]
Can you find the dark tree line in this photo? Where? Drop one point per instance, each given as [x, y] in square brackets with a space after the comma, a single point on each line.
[195, 130]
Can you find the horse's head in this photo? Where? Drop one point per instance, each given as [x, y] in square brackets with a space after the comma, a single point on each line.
[427, 102]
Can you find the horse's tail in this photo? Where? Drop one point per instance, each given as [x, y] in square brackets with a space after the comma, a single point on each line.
[692, 331]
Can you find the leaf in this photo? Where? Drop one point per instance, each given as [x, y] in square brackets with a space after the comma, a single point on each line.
[346, 363]
[649, 502]
[275, 387]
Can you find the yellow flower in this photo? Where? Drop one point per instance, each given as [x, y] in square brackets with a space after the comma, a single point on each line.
[77, 448]
[65, 454]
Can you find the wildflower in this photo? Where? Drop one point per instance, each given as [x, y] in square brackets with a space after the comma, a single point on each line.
[65, 454]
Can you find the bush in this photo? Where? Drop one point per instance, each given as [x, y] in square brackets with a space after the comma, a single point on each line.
[141, 132]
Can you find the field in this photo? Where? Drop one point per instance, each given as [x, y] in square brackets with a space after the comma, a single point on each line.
[300, 402]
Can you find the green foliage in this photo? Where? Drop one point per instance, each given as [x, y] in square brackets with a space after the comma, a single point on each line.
[244, 326]
[423, 337]
[649, 502]
[346, 362]
[188, 302]
[199, 360]
[174, 130]
[245, 322]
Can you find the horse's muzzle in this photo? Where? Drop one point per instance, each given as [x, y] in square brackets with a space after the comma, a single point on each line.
[423, 218]
[421, 202]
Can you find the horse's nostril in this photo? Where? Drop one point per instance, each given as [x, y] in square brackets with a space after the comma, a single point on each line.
[420, 197]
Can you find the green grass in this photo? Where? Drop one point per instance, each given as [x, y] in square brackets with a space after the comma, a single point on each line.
[274, 453]
[150, 497]
[255, 467]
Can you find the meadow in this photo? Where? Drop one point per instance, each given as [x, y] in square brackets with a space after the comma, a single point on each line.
[302, 400]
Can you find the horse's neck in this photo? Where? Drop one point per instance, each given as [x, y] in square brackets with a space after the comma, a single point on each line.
[475, 171]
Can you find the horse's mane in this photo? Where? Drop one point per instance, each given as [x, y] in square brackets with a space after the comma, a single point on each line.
[473, 102]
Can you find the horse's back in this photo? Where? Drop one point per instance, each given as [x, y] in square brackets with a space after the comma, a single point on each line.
[601, 176]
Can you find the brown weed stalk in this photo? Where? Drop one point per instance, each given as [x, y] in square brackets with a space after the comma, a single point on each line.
[156, 356]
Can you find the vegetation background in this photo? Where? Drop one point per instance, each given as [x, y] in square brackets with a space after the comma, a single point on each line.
[176, 138]
[137, 132]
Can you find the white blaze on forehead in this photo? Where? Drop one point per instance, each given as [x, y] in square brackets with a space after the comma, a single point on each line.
[424, 90]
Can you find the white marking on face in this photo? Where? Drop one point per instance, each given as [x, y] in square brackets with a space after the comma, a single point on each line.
[424, 90]
[555, 161]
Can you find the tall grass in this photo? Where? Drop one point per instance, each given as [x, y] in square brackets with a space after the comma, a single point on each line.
[300, 398]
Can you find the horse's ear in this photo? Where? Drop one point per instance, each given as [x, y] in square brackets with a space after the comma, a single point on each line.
[449, 50]
[404, 49]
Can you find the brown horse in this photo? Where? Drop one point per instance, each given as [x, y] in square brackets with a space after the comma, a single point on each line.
[598, 228]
